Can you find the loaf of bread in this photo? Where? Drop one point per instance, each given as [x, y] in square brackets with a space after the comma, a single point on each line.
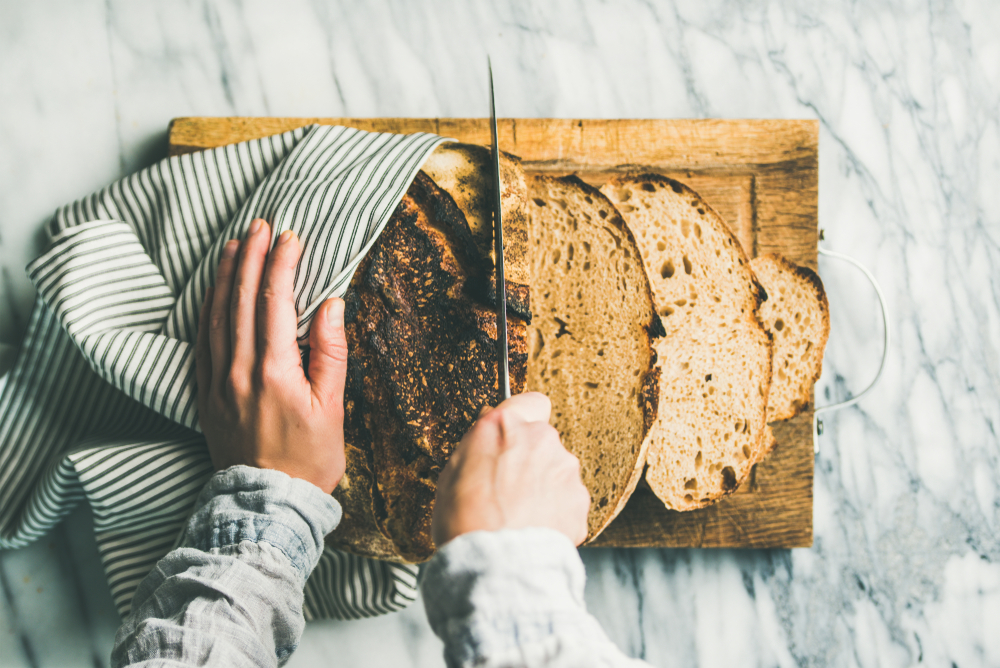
[652, 337]
[590, 338]
[797, 315]
[715, 356]
[421, 331]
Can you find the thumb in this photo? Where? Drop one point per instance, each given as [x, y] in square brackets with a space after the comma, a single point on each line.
[328, 353]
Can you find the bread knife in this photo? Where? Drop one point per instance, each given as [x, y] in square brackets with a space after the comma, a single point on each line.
[503, 373]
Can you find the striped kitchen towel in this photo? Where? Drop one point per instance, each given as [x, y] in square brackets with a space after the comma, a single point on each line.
[101, 401]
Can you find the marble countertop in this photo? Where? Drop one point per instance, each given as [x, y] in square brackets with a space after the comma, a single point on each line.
[905, 567]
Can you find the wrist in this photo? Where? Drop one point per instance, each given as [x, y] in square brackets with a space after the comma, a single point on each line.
[491, 594]
[242, 503]
[539, 566]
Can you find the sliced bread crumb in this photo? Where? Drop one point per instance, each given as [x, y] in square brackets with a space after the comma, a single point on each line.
[715, 357]
[589, 339]
[797, 315]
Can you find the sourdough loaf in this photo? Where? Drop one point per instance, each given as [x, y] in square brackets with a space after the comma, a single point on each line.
[715, 357]
[589, 340]
[797, 315]
[421, 333]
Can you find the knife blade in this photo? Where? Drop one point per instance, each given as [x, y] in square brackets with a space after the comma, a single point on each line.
[503, 373]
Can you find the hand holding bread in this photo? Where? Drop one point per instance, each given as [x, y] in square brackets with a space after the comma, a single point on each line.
[256, 405]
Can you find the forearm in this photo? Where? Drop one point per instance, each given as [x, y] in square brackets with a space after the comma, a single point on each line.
[514, 597]
[233, 594]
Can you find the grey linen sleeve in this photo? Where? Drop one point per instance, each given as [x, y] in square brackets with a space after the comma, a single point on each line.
[514, 598]
[232, 594]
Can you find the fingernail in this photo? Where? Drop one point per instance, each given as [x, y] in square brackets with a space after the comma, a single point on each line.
[286, 236]
[335, 312]
[255, 225]
[229, 250]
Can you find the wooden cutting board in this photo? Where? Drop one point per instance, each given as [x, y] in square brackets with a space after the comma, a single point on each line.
[760, 175]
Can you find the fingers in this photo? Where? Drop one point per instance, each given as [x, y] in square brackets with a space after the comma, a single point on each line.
[203, 352]
[582, 511]
[277, 320]
[530, 406]
[243, 300]
[218, 329]
[328, 354]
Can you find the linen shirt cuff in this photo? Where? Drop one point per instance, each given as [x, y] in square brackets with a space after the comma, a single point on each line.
[243, 503]
[489, 592]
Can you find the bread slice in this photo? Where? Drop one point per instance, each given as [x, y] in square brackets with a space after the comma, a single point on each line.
[797, 314]
[715, 358]
[590, 337]
[770, 442]
[421, 335]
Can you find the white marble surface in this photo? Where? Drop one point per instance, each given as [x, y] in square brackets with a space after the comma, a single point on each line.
[906, 563]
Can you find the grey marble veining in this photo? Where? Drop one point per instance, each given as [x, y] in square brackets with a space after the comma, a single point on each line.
[905, 568]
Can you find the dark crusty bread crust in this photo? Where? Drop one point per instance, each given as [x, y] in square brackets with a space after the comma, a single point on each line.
[463, 171]
[422, 339]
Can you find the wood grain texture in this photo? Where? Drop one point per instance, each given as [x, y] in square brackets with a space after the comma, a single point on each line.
[760, 175]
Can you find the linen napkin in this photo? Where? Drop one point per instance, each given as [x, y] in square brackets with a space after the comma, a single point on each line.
[100, 404]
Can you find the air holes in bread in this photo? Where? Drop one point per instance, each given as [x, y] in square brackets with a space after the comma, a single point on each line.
[728, 478]
[562, 327]
[691, 483]
[779, 324]
[539, 202]
[687, 265]
[649, 187]
[667, 270]
[538, 342]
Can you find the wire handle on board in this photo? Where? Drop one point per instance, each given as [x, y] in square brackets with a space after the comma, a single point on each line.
[817, 427]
